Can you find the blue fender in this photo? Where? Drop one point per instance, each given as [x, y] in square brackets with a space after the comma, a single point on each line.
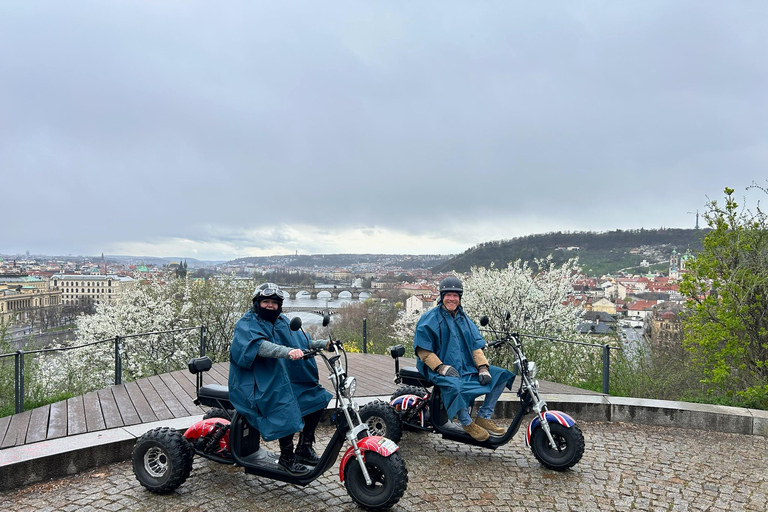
[551, 417]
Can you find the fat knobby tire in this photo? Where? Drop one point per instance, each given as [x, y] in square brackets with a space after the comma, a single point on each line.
[389, 476]
[382, 420]
[162, 459]
[570, 442]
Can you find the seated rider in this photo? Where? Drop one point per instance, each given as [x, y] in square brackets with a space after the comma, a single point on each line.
[450, 351]
[277, 392]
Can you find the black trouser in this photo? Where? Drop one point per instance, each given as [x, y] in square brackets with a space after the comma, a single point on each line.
[311, 421]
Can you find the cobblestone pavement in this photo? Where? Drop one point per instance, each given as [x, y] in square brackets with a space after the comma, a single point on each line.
[625, 467]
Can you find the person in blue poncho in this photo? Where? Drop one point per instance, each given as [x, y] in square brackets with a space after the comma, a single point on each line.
[450, 351]
[278, 393]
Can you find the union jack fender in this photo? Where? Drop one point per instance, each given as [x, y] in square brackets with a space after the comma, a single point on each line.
[552, 417]
[405, 402]
[381, 445]
[209, 428]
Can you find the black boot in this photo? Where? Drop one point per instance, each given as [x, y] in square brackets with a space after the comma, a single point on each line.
[304, 451]
[289, 463]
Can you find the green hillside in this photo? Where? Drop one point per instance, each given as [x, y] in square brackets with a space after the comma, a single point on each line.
[598, 253]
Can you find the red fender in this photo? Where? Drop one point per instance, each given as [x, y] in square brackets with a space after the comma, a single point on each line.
[206, 428]
[381, 445]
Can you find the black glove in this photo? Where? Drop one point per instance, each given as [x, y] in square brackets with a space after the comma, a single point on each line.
[447, 370]
[485, 375]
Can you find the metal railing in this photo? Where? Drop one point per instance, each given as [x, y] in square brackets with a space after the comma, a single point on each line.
[606, 356]
[18, 386]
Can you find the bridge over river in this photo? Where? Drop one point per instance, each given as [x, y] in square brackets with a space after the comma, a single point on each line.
[295, 292]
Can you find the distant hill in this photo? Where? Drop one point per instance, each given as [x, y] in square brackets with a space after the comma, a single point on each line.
[598, 253]
[404, 261]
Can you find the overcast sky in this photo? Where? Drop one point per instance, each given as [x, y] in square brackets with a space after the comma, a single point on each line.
[217, 130]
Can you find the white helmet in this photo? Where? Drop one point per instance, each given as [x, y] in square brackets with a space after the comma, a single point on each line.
[268, 291]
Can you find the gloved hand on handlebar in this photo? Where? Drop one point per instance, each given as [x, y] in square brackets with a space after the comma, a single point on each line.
[485, 375]
[447, 370]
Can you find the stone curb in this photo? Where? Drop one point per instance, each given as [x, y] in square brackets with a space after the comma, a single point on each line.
[36, 462]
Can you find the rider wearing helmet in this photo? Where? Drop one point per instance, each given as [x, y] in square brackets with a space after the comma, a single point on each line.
[450, 351]
[270, 384]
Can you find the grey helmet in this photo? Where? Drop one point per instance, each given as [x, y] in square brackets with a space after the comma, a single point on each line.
[268, 291]
[450, 284]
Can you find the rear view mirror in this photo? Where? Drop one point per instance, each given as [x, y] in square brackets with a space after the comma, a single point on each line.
[295, 323]
[484, 320]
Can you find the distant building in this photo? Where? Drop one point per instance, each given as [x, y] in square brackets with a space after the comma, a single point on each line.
[17, 302]
[78, 289]
[420, 303]
[665, 325]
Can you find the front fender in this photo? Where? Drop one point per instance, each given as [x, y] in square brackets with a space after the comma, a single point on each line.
[552, 417]
[381, 445]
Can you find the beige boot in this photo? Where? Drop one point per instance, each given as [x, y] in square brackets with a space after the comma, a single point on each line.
[490, 426]
[477, 433]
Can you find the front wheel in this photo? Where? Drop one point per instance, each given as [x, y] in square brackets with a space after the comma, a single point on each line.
[570, 446]
[162, 460]
[382, 420]
[389, 478]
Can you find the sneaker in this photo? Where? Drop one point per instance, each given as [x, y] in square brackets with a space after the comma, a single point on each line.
[478, 433]
[490, 426]
[290, 465]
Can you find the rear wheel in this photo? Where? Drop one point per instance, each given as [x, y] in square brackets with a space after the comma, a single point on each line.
[162, 460]
[570, 446]
[389, 478]
[382, 420]
[218, 412]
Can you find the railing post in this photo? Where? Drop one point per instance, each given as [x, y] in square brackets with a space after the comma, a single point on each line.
[365, 335]
[118, 363]
[606, 366]
[19, 382]
[202, 341]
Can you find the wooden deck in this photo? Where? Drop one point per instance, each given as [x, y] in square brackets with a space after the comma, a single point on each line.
[160, 397]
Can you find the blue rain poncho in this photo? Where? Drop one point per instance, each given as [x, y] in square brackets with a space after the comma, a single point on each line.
[273, 394]
[454, 339]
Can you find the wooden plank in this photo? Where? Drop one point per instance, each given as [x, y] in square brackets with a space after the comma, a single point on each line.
[188, 386]
[126, 406]
[38, 424]
[181, 395]
[76, 416]
[168, 398]
[57, 420]
[4, 422]
[153, 398]
[109, 408]
[17, 429]
[223, 368]
[94, 419]
[214, 376]
[143, 408]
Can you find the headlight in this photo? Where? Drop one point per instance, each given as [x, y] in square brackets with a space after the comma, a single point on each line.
[531, 369]
[349, 388]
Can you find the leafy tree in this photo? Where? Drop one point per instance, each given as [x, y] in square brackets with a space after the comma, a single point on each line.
[726, 329]
[379, 318]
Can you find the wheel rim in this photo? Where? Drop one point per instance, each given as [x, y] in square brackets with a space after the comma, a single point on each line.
[156, 462]
[377, 426]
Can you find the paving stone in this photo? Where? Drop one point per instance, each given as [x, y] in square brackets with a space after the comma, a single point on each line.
[626, 467]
